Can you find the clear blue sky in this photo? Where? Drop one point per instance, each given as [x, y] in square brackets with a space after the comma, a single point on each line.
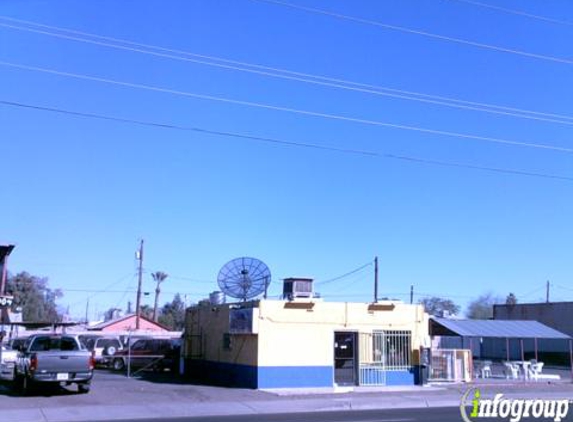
[79, 192]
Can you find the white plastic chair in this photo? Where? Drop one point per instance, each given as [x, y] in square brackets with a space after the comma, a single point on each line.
[486, 369]
[511, 371]
[536, 370]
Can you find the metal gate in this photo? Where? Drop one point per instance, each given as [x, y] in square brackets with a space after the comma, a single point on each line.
[382, 351]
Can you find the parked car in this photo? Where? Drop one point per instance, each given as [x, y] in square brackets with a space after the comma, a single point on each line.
[51, 359]
[104, 347]
[7, 362]
[148, 353]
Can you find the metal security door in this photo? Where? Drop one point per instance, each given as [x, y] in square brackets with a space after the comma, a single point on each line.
[345, 368]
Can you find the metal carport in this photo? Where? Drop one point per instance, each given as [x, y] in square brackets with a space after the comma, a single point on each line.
[499, 329]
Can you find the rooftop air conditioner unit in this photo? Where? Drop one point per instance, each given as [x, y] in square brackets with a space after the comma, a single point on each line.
[297, 288]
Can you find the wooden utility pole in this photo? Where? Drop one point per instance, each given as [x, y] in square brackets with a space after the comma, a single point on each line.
[375, 279]
[547, 293]
[139, 256]
[411, 294]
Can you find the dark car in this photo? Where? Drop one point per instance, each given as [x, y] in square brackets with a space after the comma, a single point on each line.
[148, 353]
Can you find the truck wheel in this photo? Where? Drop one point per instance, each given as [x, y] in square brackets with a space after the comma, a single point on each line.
[83, 388]
[118, 364]
[17, 380]
[23, 385]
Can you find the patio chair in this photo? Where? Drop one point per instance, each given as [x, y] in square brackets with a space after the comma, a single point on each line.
[536, 373]
[511, 370]
[486, 369]
[535, 370]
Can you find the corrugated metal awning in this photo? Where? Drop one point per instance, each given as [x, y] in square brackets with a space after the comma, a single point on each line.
[499, 328]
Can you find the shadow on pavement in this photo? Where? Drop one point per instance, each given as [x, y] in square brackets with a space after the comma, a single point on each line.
[46, 390]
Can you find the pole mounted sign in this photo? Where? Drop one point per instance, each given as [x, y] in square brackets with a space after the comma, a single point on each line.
[6, 301]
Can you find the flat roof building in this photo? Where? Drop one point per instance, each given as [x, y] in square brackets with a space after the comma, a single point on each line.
[305, 342]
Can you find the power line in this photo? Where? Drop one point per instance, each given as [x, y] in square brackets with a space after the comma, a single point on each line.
[176, 277]
[193, 129]
[340, 277]
[534, 291]
[564, 288]
[291, 143]
[106, 289]
[516, 12]
[125, 293]
[426, 294]
[291, 110]
[300, 76]
[417, 32]
[350, 283]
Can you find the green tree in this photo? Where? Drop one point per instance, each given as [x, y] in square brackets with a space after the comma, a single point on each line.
[146, 311]
[173, 314]
[482, 307]
[111, 313]
[33, 296]
[438, 306]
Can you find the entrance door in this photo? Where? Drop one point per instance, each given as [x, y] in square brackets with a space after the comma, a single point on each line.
[345, 371]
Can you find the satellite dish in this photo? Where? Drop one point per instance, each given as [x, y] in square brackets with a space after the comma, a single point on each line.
[244, 278]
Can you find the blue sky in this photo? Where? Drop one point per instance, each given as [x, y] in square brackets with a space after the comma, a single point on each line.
[79, 192]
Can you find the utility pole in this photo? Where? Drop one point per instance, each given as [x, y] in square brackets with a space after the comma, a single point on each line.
[87, 309]
[411, 294]
[375, 279]
[547, 293]
[139, 256]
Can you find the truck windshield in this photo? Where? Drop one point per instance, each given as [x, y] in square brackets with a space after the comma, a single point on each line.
[53, 343]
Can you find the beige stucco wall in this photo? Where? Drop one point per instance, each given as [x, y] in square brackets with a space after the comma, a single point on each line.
[299, 333]
[205, 329]
[296, 333]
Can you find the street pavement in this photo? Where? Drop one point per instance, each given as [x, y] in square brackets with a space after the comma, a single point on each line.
[436, 414]
[161, 397]
[439, 414]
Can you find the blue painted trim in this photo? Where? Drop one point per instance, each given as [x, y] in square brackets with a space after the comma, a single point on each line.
[295, 376]
[246, 376]
[221, 373]
[404, 377]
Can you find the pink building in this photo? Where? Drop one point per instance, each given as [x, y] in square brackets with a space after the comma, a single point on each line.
[127, 323]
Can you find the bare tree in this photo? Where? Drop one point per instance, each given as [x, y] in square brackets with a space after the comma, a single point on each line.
[438, 306]
[482, 307]
[159, 277]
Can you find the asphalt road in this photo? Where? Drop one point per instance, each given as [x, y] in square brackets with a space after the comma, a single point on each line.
[406, 415]
[442, 414]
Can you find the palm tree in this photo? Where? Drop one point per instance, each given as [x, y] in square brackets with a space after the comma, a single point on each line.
[159, 277]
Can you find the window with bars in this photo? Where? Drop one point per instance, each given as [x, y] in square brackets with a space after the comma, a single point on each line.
[388, 349]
